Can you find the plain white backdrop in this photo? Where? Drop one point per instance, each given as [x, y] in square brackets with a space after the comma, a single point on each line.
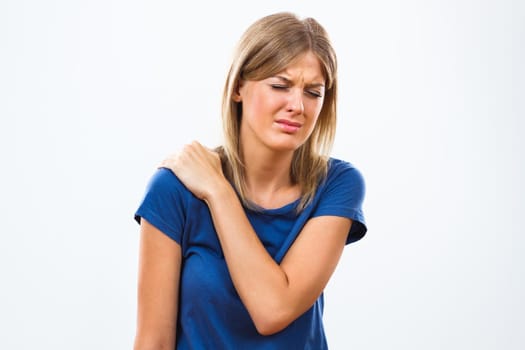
[93, 94]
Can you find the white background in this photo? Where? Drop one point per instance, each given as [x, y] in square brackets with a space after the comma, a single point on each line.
[93, 94]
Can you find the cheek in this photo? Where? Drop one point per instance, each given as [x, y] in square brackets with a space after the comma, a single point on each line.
[255, 105]
[314, 108]
[261, 104]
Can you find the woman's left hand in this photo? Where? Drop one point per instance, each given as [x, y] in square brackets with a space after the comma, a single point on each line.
[198, 167]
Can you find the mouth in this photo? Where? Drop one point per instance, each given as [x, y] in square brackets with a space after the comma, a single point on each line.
[288, 126]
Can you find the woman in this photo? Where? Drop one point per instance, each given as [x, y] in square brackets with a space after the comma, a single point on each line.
[238, 243]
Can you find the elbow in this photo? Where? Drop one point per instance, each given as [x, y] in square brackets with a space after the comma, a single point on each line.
[269, 328]
[145, 343]
[273, 314]
[268, 323]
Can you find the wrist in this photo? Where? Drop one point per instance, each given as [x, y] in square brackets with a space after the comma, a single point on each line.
[220, 193]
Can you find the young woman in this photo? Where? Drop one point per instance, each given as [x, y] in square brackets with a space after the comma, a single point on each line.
[238, 243]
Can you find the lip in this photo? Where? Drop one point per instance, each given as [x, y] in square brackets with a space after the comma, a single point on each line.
[288, 125]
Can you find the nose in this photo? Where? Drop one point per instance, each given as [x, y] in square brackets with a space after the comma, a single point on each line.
[295, 102]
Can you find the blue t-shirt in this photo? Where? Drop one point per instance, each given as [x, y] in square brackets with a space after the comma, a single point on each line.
[211, 314]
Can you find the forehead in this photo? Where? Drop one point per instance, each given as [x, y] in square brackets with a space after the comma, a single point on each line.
[305, 67]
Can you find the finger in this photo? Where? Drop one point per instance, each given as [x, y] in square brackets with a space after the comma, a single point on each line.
[162, 164]
[168, 161]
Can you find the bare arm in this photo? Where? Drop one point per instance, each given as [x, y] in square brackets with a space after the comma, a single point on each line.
[158, 290]
[274, 294]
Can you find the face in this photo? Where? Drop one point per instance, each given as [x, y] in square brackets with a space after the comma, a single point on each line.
[279, 113]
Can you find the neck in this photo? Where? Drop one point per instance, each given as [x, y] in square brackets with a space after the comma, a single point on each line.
[267, 170]
[268, 179]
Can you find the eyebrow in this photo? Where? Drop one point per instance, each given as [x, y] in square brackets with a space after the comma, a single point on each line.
[288, 81]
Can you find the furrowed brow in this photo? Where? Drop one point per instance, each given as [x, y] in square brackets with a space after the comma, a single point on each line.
[283, 79]
[315, 85]
[288, 81]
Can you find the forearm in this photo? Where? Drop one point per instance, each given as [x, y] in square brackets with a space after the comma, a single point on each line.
[274, 294]
[261, 283]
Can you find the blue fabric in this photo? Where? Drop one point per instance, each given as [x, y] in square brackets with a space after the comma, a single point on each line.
[211, 314]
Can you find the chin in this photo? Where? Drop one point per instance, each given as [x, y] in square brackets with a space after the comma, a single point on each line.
[285, 146]
[285, 142]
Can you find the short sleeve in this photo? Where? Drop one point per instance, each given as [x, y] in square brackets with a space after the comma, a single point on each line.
[163, 204]
[342, 194]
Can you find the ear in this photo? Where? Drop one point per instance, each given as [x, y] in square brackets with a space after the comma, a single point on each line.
[236, 96]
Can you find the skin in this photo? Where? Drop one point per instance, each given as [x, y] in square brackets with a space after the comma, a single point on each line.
[158, 290]
[279, 114]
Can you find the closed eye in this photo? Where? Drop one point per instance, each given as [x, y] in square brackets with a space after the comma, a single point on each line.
[311, 93]
[314, 93]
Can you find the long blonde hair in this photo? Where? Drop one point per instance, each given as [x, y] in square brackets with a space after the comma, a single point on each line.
[266, 48]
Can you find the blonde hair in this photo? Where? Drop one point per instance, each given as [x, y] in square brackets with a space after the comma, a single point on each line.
[266, 48]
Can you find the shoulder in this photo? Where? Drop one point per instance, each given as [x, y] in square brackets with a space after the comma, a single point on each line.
[165, 184]
[165, 180]
[165, 203]
[342, 194]
[344, 172]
